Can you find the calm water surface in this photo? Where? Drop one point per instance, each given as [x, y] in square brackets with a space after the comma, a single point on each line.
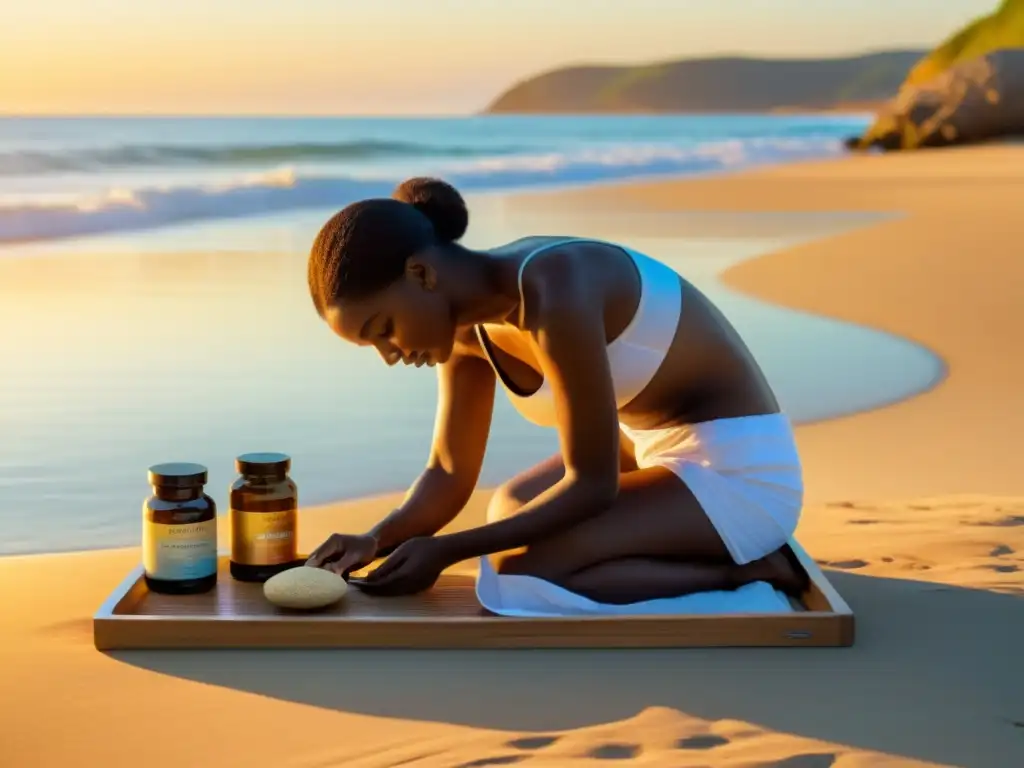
[119, 355]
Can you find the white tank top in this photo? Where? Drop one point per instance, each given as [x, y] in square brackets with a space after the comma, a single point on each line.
[634, 356]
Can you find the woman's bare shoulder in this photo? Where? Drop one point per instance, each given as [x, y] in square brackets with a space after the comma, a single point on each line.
[570, 276]
[467, 343]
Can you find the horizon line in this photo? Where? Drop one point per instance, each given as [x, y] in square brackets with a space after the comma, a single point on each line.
[775, 112]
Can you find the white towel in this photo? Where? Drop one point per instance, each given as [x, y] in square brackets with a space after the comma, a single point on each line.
[530, 597]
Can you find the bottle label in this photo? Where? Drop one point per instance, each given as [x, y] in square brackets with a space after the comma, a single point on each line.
[179, 552]
[263, 538]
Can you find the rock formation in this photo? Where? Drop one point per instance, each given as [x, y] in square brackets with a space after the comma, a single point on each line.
[973, 100]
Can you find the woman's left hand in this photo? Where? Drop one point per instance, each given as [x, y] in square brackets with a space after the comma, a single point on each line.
[413, 567]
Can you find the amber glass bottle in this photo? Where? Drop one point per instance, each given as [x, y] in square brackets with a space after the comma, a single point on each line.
[264, 517]
[179, 531]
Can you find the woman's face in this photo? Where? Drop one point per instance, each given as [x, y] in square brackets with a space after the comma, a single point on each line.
[410, 321]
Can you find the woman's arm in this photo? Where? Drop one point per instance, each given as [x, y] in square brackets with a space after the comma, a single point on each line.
[568, 318]
[465, 405]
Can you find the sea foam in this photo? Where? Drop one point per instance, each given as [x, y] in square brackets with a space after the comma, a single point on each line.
[290, 188]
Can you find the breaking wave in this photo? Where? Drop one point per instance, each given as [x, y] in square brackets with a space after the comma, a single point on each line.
[34, 162]
[287, 189]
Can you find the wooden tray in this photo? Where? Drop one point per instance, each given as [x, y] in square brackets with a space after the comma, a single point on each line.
[236, 615]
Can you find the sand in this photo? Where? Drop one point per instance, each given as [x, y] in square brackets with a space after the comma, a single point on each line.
[916, 511]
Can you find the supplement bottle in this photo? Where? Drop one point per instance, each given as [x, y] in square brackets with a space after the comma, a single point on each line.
[179, 531]
[264, 517]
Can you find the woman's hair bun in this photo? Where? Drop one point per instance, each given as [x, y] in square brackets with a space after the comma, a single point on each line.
[440, 202]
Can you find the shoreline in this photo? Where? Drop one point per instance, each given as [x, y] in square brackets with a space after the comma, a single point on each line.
[379, 498]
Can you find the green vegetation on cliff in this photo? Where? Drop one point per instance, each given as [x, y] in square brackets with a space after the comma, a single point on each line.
[725, 84]
[969, 89]
[1003, 28]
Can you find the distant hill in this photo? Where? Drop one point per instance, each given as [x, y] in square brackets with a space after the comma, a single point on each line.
[724, 84]
[1001, 29]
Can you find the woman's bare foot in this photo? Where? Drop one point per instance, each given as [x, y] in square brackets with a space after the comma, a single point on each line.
[780, 569]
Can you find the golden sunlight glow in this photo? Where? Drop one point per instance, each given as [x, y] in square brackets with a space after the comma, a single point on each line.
[395, 56]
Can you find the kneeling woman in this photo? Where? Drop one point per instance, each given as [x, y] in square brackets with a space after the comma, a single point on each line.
[677, 472]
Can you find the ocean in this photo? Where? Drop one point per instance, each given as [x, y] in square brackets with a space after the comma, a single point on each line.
[64, 178]
[154, 307]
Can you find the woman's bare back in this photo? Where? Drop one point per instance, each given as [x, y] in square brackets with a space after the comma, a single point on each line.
[708, 372]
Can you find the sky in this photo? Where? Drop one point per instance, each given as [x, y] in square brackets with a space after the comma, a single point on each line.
[399, 56]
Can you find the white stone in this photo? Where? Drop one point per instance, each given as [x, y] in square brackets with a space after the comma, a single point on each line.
[305, 588]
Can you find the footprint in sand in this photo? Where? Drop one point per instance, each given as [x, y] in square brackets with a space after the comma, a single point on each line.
[483, 762]
[848, 565]
[614, 752]
[1003, 568]
[865, 521]
[704, 741]
[532, 742]
[1001, 550]
[848, 505]
[1007, 522]
[816, 760]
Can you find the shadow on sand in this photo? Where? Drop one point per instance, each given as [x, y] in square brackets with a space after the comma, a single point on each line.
[936, 674]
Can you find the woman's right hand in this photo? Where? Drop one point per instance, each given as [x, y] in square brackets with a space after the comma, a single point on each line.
[343, 553]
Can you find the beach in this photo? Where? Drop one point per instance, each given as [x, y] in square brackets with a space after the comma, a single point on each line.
[914, 509]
